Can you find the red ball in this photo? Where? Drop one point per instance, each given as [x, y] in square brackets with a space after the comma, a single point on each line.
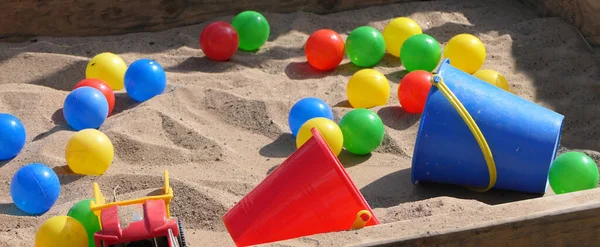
[102, 87]
[219, 41]
[413, 90]
[324, 49]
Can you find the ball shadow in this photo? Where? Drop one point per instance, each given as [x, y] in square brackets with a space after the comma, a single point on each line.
[343, 104]
[389, 61]
[397, 118]
[396, 76]
[60, 124]
[12, 209]
[123, 103]
[303, 71]
[202, 64]
[349, 159]
[281, 147]
[66, 175]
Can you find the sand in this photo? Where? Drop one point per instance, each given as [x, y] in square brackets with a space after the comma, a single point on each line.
[221, 127]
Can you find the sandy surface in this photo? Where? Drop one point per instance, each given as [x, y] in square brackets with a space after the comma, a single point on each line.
[219, 128]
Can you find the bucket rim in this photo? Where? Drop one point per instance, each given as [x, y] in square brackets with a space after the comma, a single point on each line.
[432, 90]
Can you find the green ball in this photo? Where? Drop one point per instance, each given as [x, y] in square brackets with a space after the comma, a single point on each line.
[420, 52]
[252, 28]
[573, 171]
[363, 131]
[365, 46]
[81, 212]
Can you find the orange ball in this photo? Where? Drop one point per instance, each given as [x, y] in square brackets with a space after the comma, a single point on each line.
[413, 91]
[324, 49]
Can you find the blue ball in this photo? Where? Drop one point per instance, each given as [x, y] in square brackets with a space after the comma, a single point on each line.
[34, 188]
[12, 136]
[85, 108]
[145, 79]
[306, 109]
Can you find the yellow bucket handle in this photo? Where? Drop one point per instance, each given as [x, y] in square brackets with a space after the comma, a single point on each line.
[438, 81]
[362, 217]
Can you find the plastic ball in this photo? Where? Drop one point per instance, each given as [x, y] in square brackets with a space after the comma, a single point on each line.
[324, 49]
[573, 171]
[414, 90]
[466, 52]
[102, 87]
[219, 41]
[12, 136]
[368, 88]
[89, 152]
[34, 188]
[330, 131]
[420, 52]
[89, 220]
[363, 131]
[107, 67]
[365, 46]
[397, 31]
[492, 77]
[85, 107]
[306, 109]
[144, 79]
[253, 30]
[61, 231]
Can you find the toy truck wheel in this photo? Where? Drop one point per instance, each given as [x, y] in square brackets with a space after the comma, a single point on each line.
[181, 237]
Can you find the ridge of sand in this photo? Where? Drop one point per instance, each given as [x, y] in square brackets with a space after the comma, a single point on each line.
[221, 127]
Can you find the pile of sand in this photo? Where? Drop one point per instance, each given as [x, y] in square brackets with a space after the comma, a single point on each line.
[221, 127]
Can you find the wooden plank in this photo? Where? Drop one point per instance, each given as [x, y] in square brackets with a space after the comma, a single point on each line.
[24, 18]
[583, 14]
[571, 219]
[576, 226]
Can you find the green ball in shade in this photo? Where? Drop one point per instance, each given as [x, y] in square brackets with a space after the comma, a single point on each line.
[365, 46]
[573, 171]
[420, 52]
[363, 131]
[82, 213]
[252, 28]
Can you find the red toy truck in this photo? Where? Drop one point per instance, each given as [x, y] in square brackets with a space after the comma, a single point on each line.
[156, 229]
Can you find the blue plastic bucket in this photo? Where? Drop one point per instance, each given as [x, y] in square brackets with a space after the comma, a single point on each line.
[523, 137]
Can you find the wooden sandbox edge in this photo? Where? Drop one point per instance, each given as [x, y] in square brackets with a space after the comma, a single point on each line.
[571, 219]
[28, 18]
[583, 14]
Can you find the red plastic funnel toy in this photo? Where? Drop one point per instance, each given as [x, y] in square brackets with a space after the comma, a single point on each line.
[309, 193]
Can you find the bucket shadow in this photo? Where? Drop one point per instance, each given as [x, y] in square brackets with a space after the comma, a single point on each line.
[65, 175]
[12, 209]
[397, 118]
[396, 188]
[281, 147]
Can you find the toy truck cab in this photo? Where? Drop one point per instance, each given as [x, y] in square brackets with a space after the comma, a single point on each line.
[156, 228]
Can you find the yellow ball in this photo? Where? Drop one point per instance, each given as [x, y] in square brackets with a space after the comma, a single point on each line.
[330, 131]
[466, 52]
[368, 88]
[89, 152]
[109, 68]
[492, 77]
[397, 31]
[60, 231]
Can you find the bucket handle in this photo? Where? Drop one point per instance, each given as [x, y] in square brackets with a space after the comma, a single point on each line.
[438, 82]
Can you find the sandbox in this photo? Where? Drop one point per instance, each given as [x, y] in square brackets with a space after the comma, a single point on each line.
[221, 127]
